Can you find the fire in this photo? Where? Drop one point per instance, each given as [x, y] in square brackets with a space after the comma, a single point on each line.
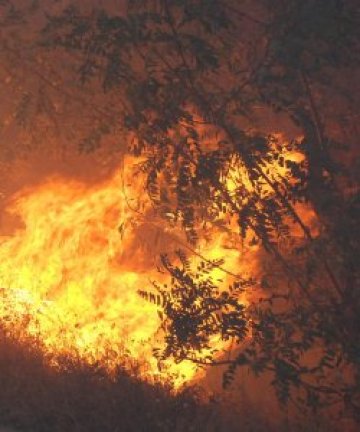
[70, 276]
[73, 271]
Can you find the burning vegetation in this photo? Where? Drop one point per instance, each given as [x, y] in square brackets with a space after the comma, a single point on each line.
[223, 236]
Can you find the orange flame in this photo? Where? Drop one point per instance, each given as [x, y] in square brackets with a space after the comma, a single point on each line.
[74, 269]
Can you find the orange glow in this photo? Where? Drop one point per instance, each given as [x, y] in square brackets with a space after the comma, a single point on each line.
[73, 272]
[70, 276]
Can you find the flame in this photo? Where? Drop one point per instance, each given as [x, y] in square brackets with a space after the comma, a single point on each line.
[72, 272]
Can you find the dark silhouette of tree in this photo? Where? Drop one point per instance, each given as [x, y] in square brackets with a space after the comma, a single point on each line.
[188, 76]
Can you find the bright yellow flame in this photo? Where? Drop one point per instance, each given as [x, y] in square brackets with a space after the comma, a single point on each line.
[73, 272]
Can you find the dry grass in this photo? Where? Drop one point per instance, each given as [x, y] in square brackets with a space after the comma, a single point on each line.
[76, 397]
[82, 398]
